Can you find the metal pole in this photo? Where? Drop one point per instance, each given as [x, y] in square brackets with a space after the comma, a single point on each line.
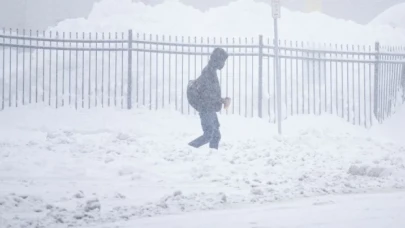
[129, 69]
[260, 76]
[278, 73]
[377, 110]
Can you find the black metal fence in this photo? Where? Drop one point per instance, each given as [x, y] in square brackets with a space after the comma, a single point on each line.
[358, 83]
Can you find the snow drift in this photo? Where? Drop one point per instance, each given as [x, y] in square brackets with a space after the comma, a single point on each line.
[240, 18]
[393, 17]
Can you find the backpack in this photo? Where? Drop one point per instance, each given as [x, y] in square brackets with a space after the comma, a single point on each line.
[193, 94]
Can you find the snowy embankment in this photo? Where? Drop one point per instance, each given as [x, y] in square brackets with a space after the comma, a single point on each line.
[242, 18]
[393, 17]
[88, 167]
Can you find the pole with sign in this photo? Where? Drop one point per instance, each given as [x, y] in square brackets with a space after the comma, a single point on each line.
[276, 8]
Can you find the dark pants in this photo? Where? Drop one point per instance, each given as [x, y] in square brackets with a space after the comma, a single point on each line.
[210, 126]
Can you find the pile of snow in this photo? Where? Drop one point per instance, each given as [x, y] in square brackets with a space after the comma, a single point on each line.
[394, 127]
[393, 17]
[66, 167]
[240, 18]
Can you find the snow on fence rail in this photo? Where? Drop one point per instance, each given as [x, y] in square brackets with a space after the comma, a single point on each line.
[358, 83]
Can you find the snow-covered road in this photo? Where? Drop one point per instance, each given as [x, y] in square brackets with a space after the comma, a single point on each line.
[383, 210]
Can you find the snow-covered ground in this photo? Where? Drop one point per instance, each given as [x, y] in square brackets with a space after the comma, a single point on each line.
[102, 166]
[350, 211]
[114, 168]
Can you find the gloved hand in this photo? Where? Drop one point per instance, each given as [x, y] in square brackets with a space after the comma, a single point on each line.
[227, 102]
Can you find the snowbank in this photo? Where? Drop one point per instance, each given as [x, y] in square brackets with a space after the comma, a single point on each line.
[67, 167]
[240, 18]
[393, 17]
[394, 127]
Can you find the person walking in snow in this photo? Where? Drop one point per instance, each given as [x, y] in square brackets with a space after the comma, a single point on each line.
[204, 95]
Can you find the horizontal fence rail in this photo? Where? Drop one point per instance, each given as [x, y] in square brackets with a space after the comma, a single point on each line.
[359, 83]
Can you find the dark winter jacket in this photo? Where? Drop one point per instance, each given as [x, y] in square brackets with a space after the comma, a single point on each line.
[210, 90]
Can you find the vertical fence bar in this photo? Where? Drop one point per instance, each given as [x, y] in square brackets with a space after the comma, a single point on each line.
[163, 72]
[129, 98]
[320, 81]
[342, 77]
[56, 69]
[116, 69]
[325, 80]
[9, 80]
[96, 73]
[246, 76]
[175, 76]
[252, 78]
[233, 75]
[285, 75]
[291, 79]
[4, 69]
[268, 79]
[23, 68]
[384, 96]
[240, 77]
[122, 69]
[296, 75]
[137, 70]
[188, 71]
[36, 68]
[309, 80]
[89, 86]
[30, 66]
[182, 75]
[43, 68]
[347, 83]
[385, 77]
[63, 68]
[151, 74]
[227, 70]
[70, 71]
[358, 84]
[260, 76]
[353, 91]
[83, 53]
[195, 62]
[370, 87]
[403, 79]
[16, 73]
[337, 80]
[170, 70]
[364, 83]
[330, 78]
[102, 70]
[157, 73]
[302, 78]
[50, 69]
[109, 69]
[314, 77]
[77, 63]
[376, 82]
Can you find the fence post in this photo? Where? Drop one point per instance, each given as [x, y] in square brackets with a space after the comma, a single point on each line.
[278, 76]
[403, 82]
[260, 103]
[129, 69]
[376, 82]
